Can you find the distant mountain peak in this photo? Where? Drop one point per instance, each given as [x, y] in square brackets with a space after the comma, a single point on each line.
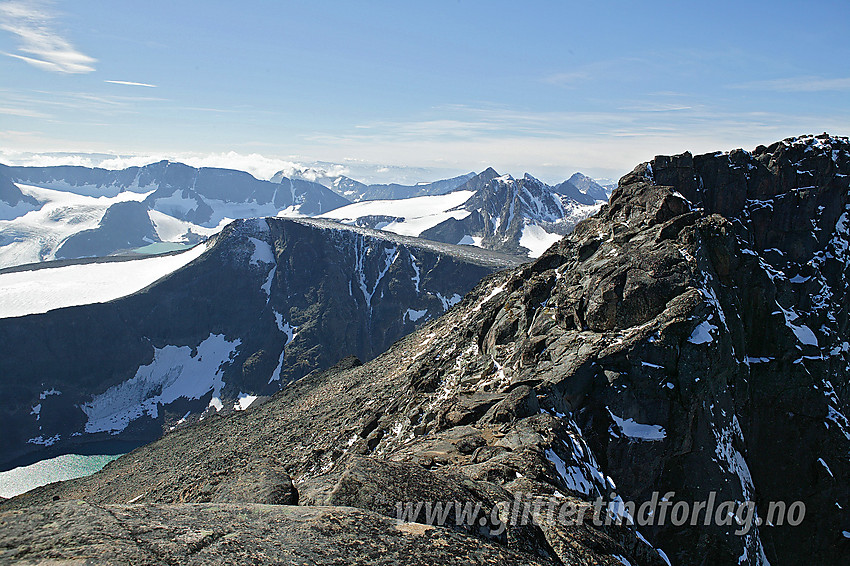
[357, 191]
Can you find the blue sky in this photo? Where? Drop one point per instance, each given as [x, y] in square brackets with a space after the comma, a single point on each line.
[397, 89]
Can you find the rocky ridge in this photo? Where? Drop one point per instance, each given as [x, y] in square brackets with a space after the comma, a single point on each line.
[355, 191]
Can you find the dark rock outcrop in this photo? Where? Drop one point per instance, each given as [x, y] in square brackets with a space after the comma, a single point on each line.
[124, 226]
[12, 199]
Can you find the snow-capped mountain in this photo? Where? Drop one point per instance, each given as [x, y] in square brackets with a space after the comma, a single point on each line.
[355, 191]
[67, 212]
[522, 216]
[583, 190]
[262, 303]
[518, 216]
[64, 212]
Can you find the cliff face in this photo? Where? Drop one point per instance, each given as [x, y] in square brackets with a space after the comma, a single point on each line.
[778, 266]
[268, 302]
[690, 339]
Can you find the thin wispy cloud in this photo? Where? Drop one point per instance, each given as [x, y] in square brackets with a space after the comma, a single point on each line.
[130, 83]
[22, 112]
[798, 84]
[567, 80]
[656, 107]
[82, 105]
[40, 44]
[598, 143]
[595, 71]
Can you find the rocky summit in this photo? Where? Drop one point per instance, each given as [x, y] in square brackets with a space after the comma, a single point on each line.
[689, 340]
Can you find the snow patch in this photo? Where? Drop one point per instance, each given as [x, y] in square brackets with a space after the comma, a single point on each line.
[286, 328]
[45, 441]
[416, 214]
[414, 315]
[638, 431]
[495, 291]
[537, 240]
[803, 333]
[267, 286]
[244, 401]
[449, 302]
[572, 476]
[417, 277]
[702, 334]
[263, 252]
[175, 372]
[291, 332]
[468, 240]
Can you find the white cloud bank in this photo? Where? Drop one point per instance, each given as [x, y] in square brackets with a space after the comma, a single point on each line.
[259, 166]
[42, 47]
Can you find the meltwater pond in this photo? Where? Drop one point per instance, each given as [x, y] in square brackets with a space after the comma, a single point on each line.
[65, 467]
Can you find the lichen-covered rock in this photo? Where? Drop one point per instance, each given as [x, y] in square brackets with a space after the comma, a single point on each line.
[79, 532]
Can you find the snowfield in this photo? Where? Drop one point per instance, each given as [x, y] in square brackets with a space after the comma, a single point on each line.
[419, 213]
[537, 240]
[36, 235]
[40, 290]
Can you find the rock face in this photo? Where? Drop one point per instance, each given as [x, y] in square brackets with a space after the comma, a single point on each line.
[268, 302]
[13, 203]
[688, 342]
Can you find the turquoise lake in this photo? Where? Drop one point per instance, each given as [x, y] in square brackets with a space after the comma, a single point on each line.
[65, 467]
